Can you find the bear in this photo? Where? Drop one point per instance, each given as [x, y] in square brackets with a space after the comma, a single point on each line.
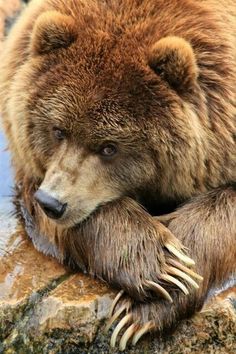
[120, 117]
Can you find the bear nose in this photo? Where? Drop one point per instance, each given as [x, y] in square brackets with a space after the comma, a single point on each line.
[51, 206]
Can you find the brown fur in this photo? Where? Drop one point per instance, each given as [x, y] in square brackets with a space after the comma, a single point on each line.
[157, 78]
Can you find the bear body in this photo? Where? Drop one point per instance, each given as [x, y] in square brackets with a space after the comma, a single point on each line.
[112, 106]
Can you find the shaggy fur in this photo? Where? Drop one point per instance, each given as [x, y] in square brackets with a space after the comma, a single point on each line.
[158, 80]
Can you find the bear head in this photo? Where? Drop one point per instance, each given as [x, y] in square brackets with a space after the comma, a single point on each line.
[105, 114]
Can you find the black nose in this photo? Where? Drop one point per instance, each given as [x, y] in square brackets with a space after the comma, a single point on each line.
[51, 206]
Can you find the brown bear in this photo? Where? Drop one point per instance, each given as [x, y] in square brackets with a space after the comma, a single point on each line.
[117, 112]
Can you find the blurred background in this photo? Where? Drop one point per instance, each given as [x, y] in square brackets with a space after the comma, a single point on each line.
[9, 10]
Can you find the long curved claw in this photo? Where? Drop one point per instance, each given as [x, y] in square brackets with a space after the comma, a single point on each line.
[179, 254]
[116, 315]
[179, 273]
[175, 281]
[146, 328]
[118, 328]
[115, 301]
[185, 269]
[158, 289]
[127, 335]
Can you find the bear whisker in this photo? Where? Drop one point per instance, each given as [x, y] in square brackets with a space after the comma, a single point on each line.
[158, 289]
[118, 328]
[171, 279]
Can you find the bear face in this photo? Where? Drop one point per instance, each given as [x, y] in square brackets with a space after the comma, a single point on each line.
[122, 117]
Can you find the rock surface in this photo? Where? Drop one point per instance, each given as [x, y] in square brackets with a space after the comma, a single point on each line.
[46, 309]
[41, 303]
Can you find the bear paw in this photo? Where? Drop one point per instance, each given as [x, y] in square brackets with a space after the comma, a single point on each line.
[170, 287]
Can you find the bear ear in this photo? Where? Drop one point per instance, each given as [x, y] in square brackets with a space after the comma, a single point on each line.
[173, 59]
[51, 31]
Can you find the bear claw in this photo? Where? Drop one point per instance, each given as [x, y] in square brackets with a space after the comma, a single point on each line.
[125, 307]
[133, 330]
[171, 248]
[175, 281]
[147, 327]
[127, 335]
[179, 273]
[114, 303]
[184, 269]
[125, 320]
[158, 289]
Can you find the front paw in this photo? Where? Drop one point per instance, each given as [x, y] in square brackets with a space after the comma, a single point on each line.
[155, 265]
[131, 320]
[169, 279]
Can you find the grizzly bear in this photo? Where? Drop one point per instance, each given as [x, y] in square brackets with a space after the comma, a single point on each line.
[120, 117]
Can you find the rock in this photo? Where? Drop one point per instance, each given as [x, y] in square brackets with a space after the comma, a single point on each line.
[40, 299]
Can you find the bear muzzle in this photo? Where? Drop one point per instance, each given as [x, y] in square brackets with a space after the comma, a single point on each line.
[52, 207]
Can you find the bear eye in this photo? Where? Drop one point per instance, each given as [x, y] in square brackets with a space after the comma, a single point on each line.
[59, 134]
[108, 150]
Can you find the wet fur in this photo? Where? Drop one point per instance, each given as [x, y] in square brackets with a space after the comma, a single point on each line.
[188, 150]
